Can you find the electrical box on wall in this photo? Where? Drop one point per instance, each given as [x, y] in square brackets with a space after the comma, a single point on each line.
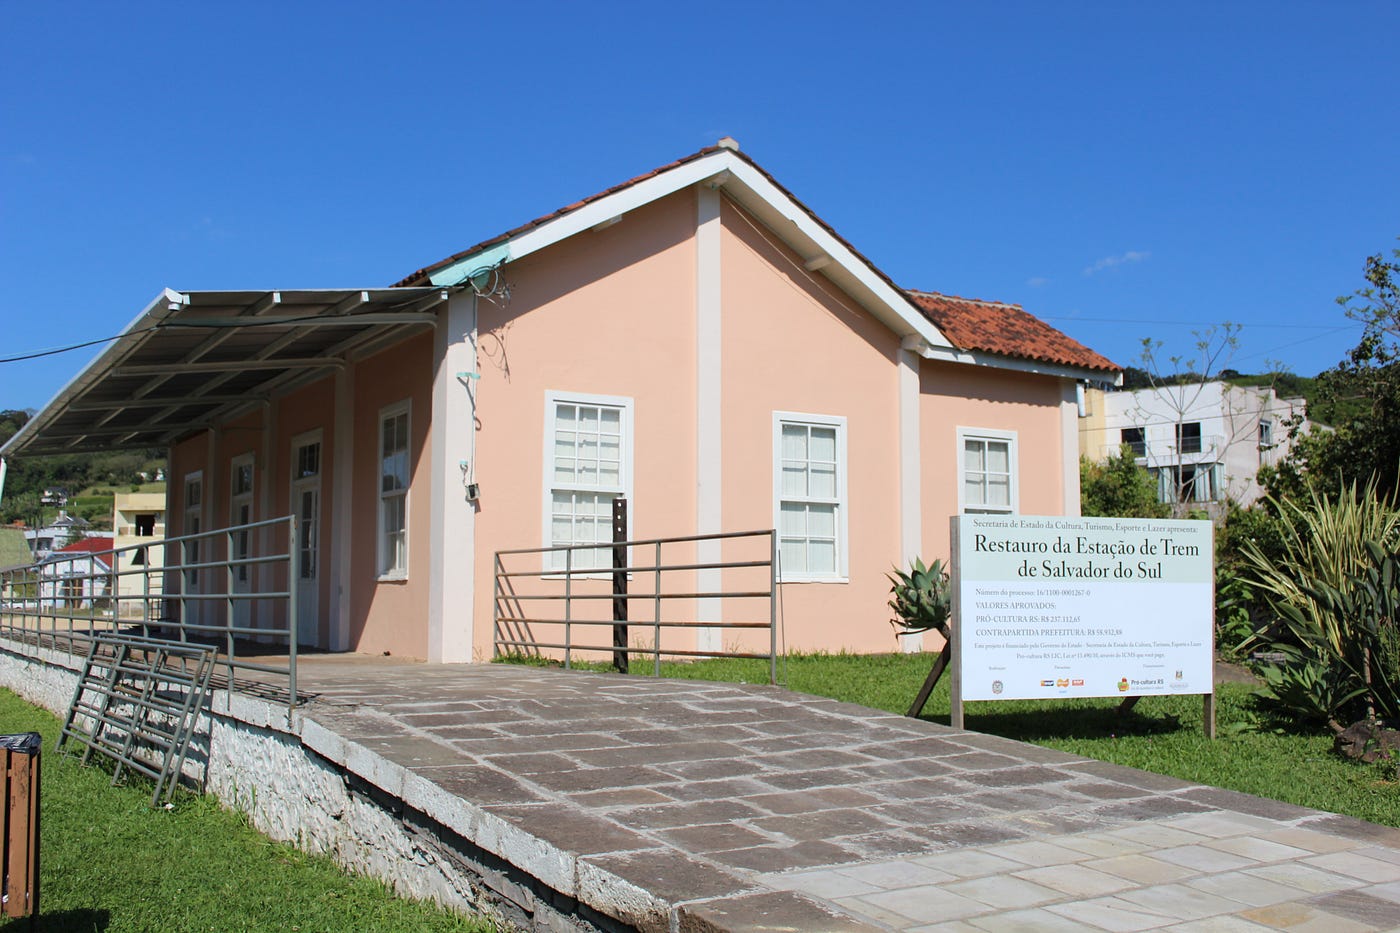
[473, 492]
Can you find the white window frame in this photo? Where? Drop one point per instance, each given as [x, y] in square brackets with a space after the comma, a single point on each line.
[1013, 462]
[299, 441]
[1169, 483]
[190, 551]
[242, 543]
[552, 399]
[404, 408]
[842, 501]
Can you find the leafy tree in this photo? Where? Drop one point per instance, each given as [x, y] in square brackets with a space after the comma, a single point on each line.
[27, 477]
[1118, 488]
[1359, 398]
[10, 422]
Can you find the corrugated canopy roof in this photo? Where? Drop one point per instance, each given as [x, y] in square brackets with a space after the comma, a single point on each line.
[194, 359]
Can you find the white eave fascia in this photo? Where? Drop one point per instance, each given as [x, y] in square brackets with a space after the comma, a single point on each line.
[601, 213]
[908, 320]
[165, 304]
[722, 169]
[992, 360]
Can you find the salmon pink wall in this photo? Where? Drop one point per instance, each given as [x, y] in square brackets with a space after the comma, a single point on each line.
[793, 342]
[390, 615]
[190, 455]
[607, 312]
[954, 395]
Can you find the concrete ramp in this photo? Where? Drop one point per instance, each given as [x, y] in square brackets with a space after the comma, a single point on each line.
[684, 805]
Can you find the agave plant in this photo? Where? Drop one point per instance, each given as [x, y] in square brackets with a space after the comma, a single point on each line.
[921, 598]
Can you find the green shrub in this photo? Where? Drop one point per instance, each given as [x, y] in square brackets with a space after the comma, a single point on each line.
[1235, 628]
[1306, 688]
[1118, 488]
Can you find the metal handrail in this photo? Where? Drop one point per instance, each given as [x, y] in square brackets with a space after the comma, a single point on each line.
[590, 546]
[37, 600]
[514, 628]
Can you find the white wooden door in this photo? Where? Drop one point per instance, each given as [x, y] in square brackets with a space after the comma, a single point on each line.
[306, 504]
[240, 512]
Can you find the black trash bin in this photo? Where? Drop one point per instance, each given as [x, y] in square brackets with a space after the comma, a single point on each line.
[20, 866]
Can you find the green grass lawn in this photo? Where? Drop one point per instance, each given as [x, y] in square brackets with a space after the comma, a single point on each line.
[110, 862]
[1162, 734]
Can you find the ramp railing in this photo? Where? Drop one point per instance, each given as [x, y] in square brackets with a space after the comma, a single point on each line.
[232, 589]
[695, 596]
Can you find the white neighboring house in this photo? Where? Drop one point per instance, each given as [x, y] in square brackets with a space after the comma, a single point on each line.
[1202, 443]
[56, 534]
[77, 574]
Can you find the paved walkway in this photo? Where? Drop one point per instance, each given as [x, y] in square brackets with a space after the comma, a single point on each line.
[752, 808]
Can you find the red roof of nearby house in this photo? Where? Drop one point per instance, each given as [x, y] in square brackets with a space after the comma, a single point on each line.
[971, 324]
[1006, 330]
[92, 546]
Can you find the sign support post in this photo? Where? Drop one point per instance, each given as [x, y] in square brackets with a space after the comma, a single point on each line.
[955, 623]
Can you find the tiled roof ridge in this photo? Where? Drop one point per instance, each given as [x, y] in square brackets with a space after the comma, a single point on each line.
[87, 544]
[974, 301]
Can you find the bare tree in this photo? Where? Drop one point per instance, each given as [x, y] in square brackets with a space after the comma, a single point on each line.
[1183, 397]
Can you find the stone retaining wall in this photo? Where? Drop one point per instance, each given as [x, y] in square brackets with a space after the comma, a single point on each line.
[301, 783]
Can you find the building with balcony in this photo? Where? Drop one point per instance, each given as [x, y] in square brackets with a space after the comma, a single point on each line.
[1203, 443]
[56, 534]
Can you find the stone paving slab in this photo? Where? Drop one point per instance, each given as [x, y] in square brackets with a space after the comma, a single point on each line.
[742, 807]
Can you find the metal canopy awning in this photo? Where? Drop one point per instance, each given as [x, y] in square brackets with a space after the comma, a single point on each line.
[191, 360]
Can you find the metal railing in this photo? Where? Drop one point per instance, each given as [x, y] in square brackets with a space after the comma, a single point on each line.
[540, 608]
[233, 589]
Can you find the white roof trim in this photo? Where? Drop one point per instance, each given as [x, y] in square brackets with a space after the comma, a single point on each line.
[975, 358]
[908, 315]
[746, 185]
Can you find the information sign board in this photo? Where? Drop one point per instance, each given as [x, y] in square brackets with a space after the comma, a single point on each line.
[1060, 606]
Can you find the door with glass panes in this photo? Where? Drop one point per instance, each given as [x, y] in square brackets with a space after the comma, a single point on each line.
[306, 505]
[240, 512]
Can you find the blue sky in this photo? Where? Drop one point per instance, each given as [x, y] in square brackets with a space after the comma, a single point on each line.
[1123, 171]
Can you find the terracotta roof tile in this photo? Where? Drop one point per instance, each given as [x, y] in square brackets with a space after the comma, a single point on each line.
[1006, 330]
[93, 546]
[88, 544]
